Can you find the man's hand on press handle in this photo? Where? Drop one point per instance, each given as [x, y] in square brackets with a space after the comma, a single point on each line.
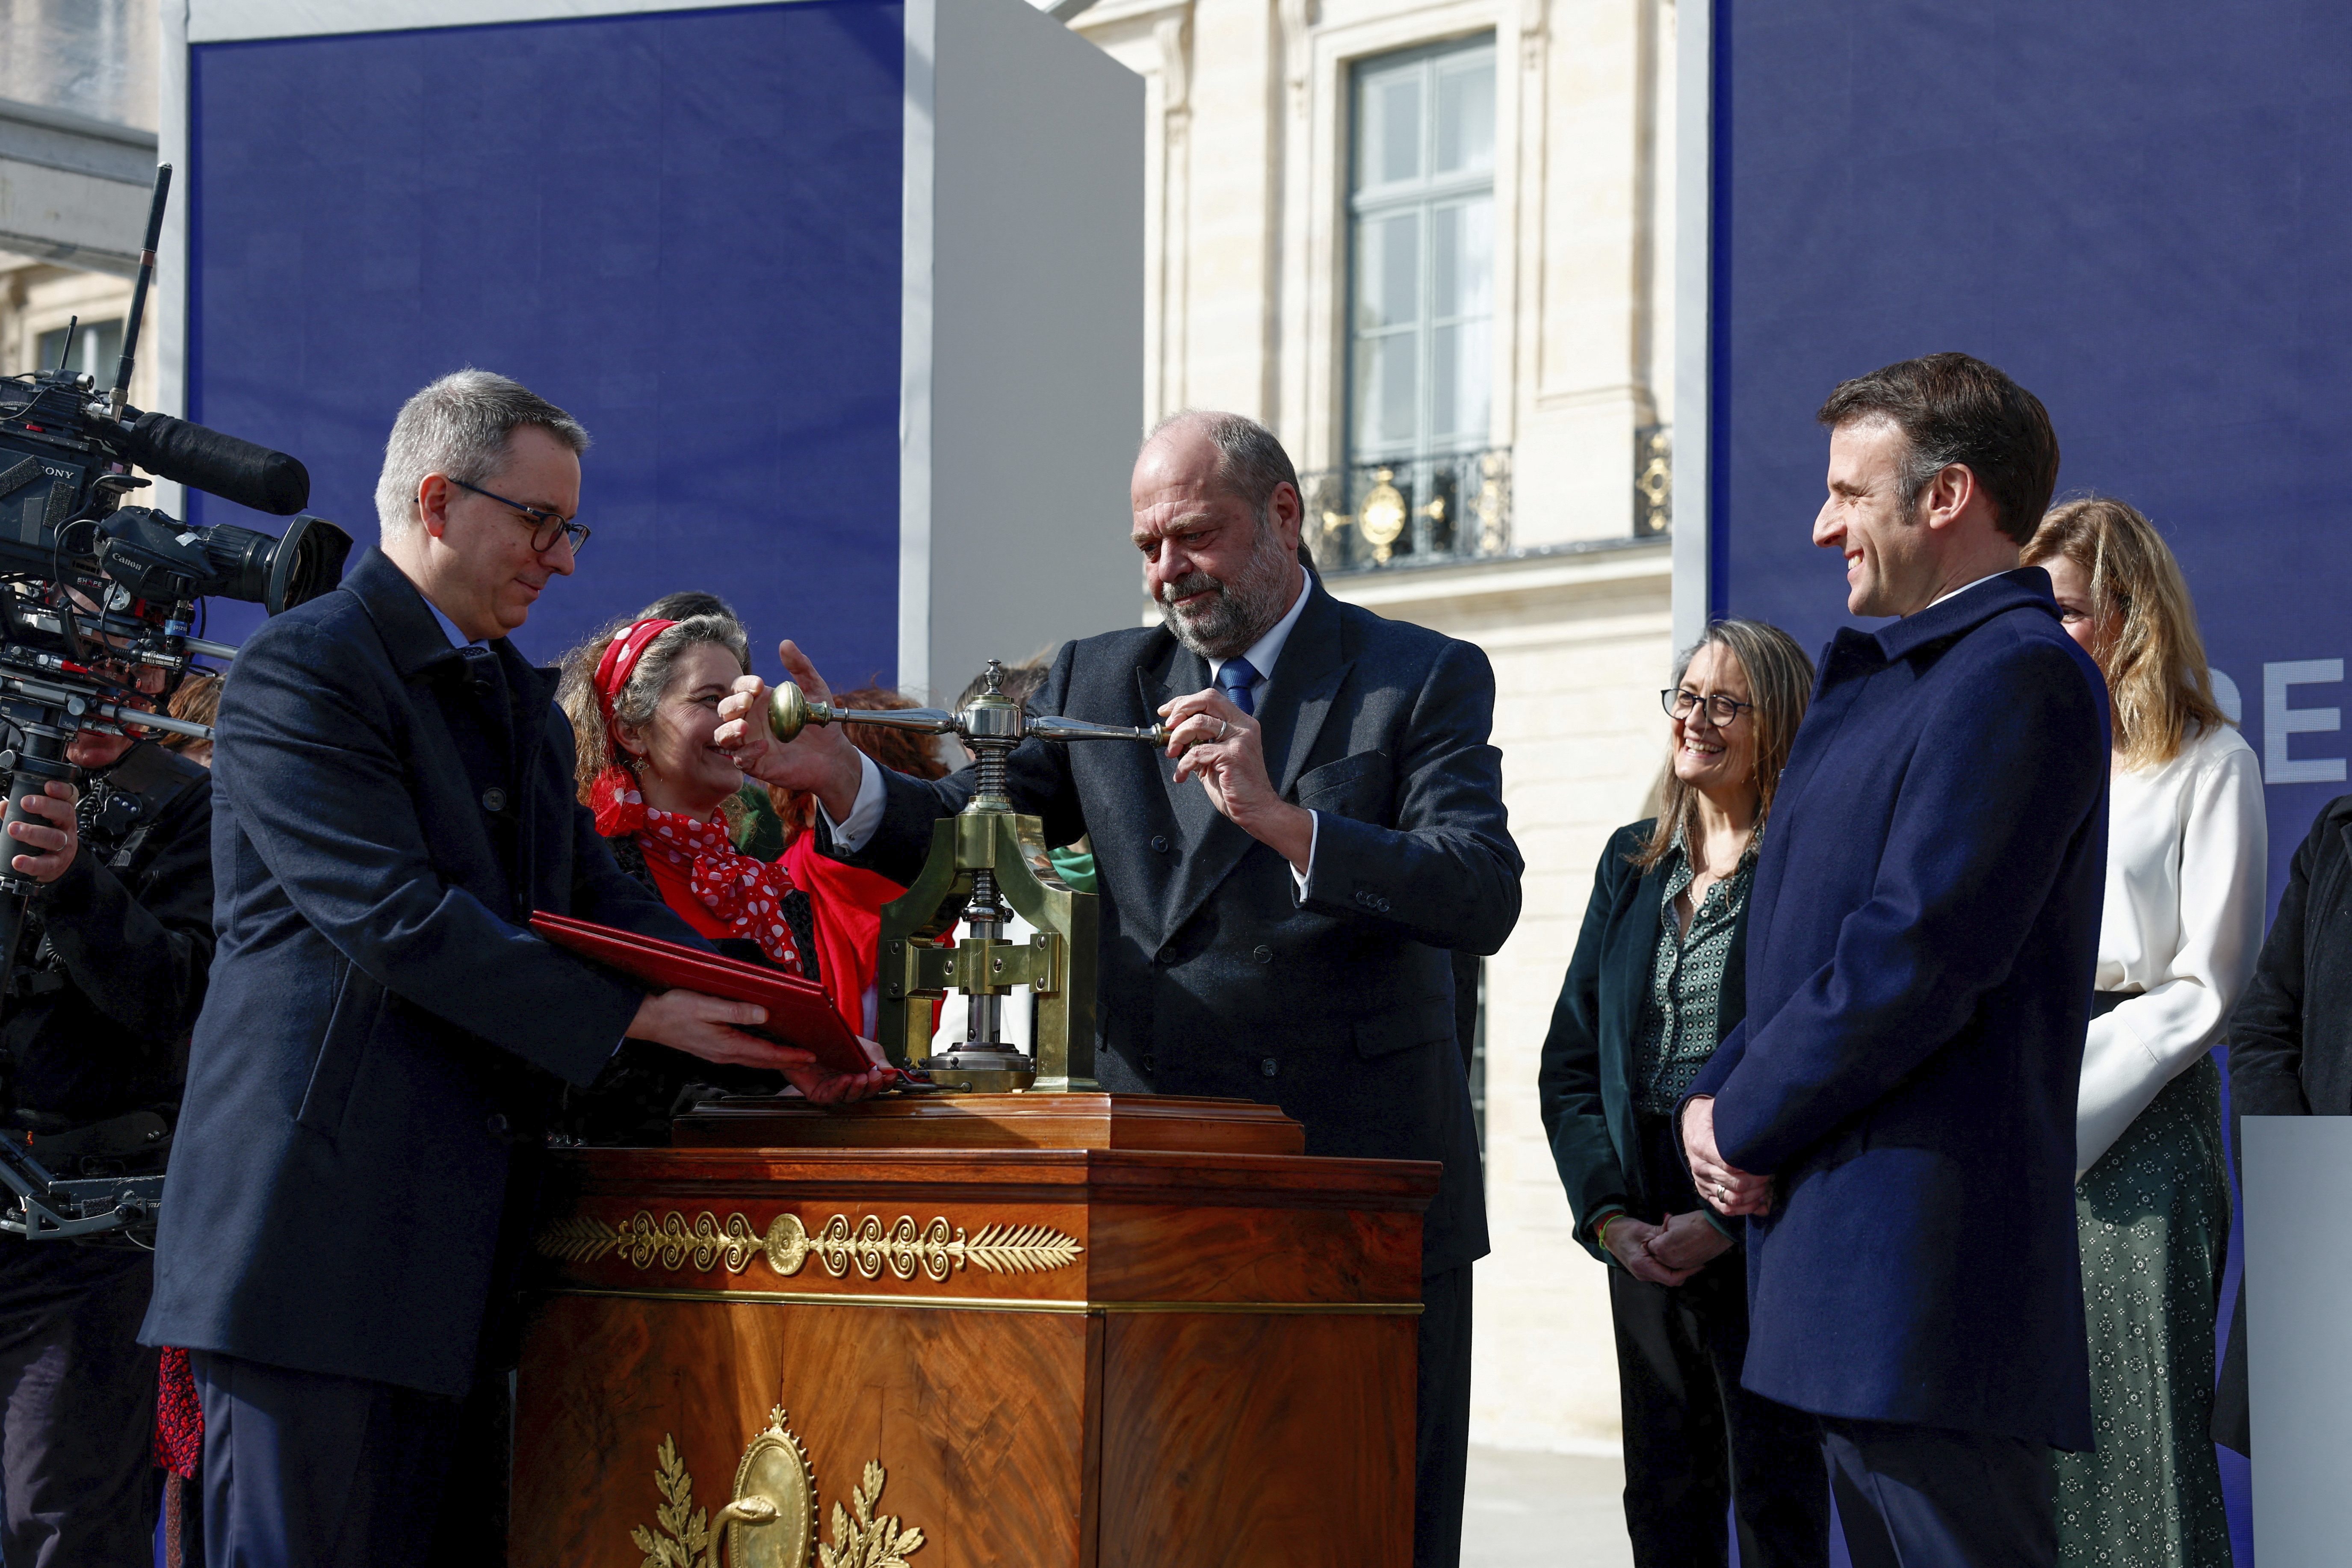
[819, 760]
[1224, 748]
[51, 847]
[712, 1028]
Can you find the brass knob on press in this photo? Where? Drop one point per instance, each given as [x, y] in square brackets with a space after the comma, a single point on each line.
[790, 712]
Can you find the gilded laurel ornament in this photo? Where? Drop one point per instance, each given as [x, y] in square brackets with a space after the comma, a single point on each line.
[874, 1540]
[685, 1529]
[770, 1522]
[868, 1248]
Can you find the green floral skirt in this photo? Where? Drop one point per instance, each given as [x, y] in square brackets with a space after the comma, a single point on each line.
[2154, 1219]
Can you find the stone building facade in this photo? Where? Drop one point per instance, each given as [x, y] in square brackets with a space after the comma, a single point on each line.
[77, 108]
[1431, 244]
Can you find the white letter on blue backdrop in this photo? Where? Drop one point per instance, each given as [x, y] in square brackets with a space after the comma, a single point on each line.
[2279, 722]
[2225, 692]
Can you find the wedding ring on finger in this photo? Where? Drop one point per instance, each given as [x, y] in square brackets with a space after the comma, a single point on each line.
[1222, 728]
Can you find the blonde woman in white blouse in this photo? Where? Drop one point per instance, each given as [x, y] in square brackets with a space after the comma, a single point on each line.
[2186, 847]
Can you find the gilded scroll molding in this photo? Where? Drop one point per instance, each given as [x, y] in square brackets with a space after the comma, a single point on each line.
[867, 1248]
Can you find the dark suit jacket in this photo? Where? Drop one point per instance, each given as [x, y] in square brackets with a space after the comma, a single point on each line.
[1921, 937]
[2291, 1036]
[382, 1037]
[1216, 980]
[129, 928]
[1585, 1084]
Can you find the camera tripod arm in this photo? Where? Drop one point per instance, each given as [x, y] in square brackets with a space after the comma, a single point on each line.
[163, 722]
[36, 1217]
[79, 704]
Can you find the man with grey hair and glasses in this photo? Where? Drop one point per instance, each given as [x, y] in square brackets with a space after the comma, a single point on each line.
[383, 1035]
[1282, 891]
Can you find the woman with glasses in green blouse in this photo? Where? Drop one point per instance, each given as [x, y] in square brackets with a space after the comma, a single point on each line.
[1656, 981]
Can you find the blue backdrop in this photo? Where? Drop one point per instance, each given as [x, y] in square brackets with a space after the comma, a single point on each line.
[2139, 210]
[683, 227]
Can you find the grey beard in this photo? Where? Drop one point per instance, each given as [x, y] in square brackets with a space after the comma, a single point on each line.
[1240, 613]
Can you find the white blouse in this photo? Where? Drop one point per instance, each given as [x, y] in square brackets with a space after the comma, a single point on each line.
[2188, 848]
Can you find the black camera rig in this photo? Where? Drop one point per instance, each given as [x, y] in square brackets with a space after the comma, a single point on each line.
[97, 600]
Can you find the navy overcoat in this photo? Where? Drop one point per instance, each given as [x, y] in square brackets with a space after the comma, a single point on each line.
[382, 1037]
[1921, 937]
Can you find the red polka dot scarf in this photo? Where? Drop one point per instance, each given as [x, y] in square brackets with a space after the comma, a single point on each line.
[745, 893]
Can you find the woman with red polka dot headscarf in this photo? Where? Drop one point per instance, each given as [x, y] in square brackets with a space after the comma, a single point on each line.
[661, 788]
[643, 701]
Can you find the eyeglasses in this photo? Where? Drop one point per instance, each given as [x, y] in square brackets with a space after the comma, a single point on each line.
[1721, 709]
[547, 528]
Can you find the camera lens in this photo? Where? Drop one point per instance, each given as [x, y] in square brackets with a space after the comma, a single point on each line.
[277, 573]
[304, 563]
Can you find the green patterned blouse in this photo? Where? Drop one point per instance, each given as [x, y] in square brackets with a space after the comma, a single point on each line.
[1685, 982]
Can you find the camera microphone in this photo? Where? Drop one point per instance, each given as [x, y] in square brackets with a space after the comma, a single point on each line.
[218, 465]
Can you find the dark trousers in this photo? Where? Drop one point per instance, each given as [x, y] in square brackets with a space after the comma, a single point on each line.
[1441, 1427]
[1927, 1497]
[77, 1446]
[307, 1470]
[1698, 1443]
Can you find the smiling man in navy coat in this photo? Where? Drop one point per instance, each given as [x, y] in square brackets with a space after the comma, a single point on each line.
[1896, 1114]
[370, 1075]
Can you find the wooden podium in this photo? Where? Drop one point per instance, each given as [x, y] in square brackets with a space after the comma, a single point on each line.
[968, 1331]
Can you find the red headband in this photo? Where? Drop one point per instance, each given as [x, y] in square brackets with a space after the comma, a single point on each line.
[620, 660]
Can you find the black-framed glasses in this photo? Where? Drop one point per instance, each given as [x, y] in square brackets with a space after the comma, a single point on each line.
[546, 527]
[1721, 707]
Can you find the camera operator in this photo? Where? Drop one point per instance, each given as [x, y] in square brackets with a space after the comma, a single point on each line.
[116, 943]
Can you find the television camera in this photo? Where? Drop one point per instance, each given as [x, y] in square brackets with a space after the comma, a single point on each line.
[96, 603]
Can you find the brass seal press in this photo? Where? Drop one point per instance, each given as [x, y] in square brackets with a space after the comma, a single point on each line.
[981, 860]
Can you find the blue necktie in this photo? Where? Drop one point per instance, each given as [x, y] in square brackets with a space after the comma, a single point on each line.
[1236, 680]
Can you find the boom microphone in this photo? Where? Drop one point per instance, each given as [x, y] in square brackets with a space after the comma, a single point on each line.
[216, 464]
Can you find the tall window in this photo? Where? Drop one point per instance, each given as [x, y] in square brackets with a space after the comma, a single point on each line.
[1422, 206]
[96, 349]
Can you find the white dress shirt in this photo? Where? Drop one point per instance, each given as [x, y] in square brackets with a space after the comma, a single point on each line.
[850, 834]
[2187, 850]
[1266, 651]
[1966, 586]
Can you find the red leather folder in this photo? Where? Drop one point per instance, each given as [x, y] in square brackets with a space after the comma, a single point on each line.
[799, 1012]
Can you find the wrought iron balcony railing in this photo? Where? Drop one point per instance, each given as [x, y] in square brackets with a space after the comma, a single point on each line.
[1422, 512]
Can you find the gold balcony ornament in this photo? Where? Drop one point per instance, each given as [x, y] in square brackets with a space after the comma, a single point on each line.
[1654, 485]
[867, 1248]
[770, 1522]
[1381, 518]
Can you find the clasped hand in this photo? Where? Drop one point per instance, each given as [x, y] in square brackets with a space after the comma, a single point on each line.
[1726, 1189]
[1665, 1254]
[1224, 748]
